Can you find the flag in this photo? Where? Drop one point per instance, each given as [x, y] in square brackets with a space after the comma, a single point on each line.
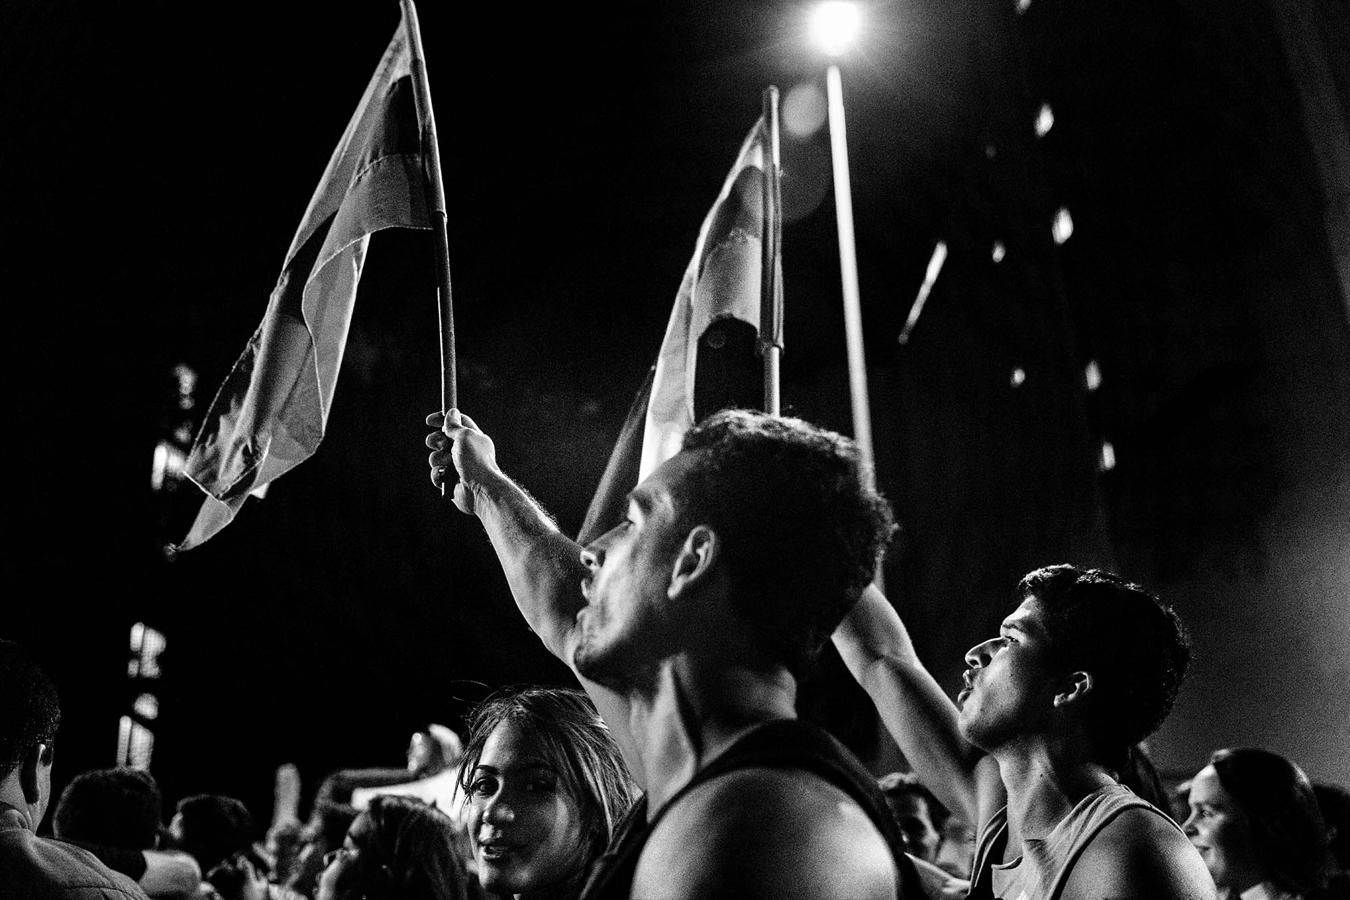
[716, 313]
[269, 415]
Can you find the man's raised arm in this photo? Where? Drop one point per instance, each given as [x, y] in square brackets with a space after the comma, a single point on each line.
[543, 566]
[876, 647]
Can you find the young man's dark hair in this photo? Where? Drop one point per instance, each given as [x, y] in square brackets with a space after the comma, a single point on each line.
[1133, 644]
[212, 827]
[30, 712]
[802, 531]
[111, 807]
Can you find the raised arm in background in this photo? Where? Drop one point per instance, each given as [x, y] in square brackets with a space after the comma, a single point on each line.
[876, 647]
[543, 566]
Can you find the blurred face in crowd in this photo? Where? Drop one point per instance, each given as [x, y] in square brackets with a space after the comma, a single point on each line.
[341, 877]
[916, 825]
[1222, 833]
[526, 829]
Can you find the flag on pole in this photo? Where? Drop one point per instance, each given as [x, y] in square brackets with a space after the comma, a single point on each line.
[719, 296]
[271, 411]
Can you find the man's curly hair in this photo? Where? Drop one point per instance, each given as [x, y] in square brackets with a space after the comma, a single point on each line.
[801, 529]
[1134, 645]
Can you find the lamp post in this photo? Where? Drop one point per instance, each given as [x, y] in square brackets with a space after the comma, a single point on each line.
[835, 25]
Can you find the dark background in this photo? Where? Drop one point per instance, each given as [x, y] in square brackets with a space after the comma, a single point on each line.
[155, 167]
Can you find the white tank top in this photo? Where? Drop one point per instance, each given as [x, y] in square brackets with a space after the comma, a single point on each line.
[1040, 873]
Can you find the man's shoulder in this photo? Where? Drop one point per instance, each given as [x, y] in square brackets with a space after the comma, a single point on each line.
[769, 832]
[1139, 853]
[38, 868]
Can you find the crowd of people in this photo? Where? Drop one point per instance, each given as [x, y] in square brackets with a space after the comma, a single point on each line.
[680, 768]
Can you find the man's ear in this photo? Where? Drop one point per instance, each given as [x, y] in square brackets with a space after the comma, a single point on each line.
[35, 759]
[1076, 688]
[694, 561]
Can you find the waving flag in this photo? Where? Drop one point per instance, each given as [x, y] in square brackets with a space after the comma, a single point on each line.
[270, 414]
[717, 306]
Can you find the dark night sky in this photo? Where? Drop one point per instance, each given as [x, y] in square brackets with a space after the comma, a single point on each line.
[155, 168]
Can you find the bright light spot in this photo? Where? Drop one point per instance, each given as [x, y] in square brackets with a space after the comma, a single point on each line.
[998, 252]
[168, 463]
[1107, 462]
[146, 706]
[1045, 120]
[146, 646]
[1019, 375]
[1023, 6]
[990, 151]
[835, 25]
[1063, 227]
[1092, 375]
[187, 384]
[804, 109]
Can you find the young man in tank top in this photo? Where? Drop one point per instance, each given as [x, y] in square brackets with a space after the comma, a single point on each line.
[689, 624]
[1085, 666]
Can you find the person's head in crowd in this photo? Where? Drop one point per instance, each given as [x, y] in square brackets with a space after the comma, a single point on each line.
[322, 832]
[398, 848]
[30, 714]
[119, 807]
[544, 788]
[1254, 819]
[918, 813]
[211, 828]
[1334, 803]
[1085, 653]
[433, 749]
[754, 540]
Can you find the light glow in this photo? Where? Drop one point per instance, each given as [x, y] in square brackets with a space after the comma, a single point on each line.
[804, 109]
[1045, 120]
[1019, 376]
[1063, 227]
[835, 25]
[1107, 462]
[1092, 375]
[998, 252]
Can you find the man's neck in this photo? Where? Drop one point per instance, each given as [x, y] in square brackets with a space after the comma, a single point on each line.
[11, 796]
[694, 710]
[1045, 780]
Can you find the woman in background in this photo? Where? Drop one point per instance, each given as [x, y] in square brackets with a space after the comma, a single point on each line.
[544, 787]
[399, 848]
[1254, 819]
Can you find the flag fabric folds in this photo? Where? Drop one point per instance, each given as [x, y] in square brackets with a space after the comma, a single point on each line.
[271, 411]
[721, 283]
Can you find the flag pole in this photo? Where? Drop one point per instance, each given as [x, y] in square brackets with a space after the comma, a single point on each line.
[432, 155]
[771, 278]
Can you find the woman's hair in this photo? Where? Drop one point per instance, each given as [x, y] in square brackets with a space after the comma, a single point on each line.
[1280, 805]
[572, 738]
[408, 852]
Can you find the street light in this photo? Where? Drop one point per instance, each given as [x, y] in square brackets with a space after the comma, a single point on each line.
[835, 26]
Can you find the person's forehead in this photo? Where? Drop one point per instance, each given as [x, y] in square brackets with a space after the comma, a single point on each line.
[511, 746]
[1206, 787]
[660, 487]
[1028, 616]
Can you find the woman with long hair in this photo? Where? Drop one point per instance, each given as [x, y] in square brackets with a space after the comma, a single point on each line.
[399, 848]
[1254, 819]
[545, 786]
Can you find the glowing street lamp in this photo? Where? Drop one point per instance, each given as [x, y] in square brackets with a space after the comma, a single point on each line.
[835, 26]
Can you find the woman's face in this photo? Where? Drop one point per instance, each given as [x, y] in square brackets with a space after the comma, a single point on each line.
[1222, 833]
[340, 877]
[526, 830]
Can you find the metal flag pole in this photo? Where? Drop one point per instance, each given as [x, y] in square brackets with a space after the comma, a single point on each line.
[771, 279]
[848, 270]
[431, 154]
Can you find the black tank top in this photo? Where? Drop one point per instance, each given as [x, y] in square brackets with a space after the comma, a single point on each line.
[781, 744]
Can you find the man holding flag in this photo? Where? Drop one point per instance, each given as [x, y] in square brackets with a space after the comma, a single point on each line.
[691, 620]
